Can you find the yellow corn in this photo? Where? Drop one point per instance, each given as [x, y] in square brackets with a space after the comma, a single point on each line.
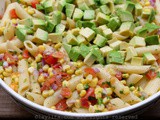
[109, 91]
[1, 69]
[30, 70]
[94, 82]
[30, 60]
[45, 68]
[132, 88]
[77, 104]
[58, 45]
[20, 57]
[16, 80]
[41, 48]
[66, 67]
[45, 93]
[38, 58]
[1, 76]
[126, 90]
[51, 74]
[53, 107]
[82, 93]
[89, 77]
[147, 3]
[105, 100]
[98, 92]
[91, 109]
[61, 61]
[70, 71]
[51, 92]
[50, 70]
[1, 30]
[6, 74]
[65, 83]
[14, 21]
[41, 79]
[30, 11]
[125, 75]
[100, 107]
[80, 87]
[123, 82]
[78, 72]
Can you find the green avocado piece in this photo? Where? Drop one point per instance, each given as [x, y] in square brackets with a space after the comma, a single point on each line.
[48, 6]
[146, 13]
[60, 28]
[100, 40]
[39, 7]
[55, 37]
[57, 17]
[75, 54]
[27, 22]
[61, 4]
[137, 61]
[137, 41]
[104, 2]
[152, 16]
[114, 23]
[148, 58]
[84, 50]
[131, 52]
[90, 59]
[67, 47]
[130, 6]
[75, 31]
[89, 15]
[78, 14]
[125, 16]
[90, 3]
[127, 28]
[115, 57]
[105, 50]
[40, 36]
[119, 1]
[152, 40]
[69, 1]
[69, 9]
[105, 9]
[81, 40]
[38, 23]
[82, 5]
[21, 32]
[50, 26]
[107, 33]
[85, 24]
[98, 54]
[71, 39]
[102, 18]
[142, 32]
[138, 9]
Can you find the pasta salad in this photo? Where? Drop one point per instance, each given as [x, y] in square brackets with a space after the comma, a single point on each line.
[84, 56]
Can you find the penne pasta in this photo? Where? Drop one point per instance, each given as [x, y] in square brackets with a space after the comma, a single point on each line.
[32, 48]
[133, 79]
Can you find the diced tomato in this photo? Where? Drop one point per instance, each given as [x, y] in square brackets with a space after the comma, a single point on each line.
[13, 13]
[1, 16]
[118, 75]
[102, 83]
[9, 58]
[58, 65]
[61, 105]
[25, 54]
[48, 83]
[58, 54]
[90, 92]
[34, 3]
[84, 102]
[66, 92]
[90, 71]
[49, 59]
[151, 74]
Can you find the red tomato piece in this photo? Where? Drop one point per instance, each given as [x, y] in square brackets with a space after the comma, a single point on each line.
[9, 56]
[61, 105]
[66, 92]
[102, 83]
[84, 102]
[26, 54]
[13, 13]
[34, 3]
[58, 54]
[118, 75]
[90, 71]
[49, 59]
[151, 74]
[90, 92]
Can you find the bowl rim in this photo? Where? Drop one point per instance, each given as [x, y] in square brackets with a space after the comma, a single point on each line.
[71, 114]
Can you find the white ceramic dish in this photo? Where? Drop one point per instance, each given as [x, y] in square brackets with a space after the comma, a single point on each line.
[38, 109]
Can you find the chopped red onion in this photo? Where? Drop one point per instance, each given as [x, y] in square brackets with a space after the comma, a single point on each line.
[96, 70]
[45, 74]
[43, 62]
[152, 2]
[41, 70]
[59, 77]
[5, 64]
[1, 56]
[54, 86]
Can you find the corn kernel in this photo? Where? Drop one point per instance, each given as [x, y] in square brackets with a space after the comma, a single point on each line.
[1, 30]
[126, 90]
[79, 64]
[50, 70]
[91, 109]
[61, 61]
[66, 67]
[78, 72]
[53, 107]
[14, 21]
[45, 68]
[77, 104]
[80, 87]
[125, 75]
[82, 93]
[65, 83]
[100, 107]
[105, 100]
[51, 92]
[30, 60]
[58, 45]
[41, 79]
[30, 70]
[70, 71]
[16, 80]
[33, 64]
[98, 90]
[1, 69]
[6, 74]
[147, 3]
[41, 48]
[26, 9]
[51, 74]
[20, 57]
[98, 95]
[123, 82]
[38, 58]
[109, 91]
[1, 76]
[45, 93]
[30, 11]
[89, 77]
[94, 82]
[132, 88]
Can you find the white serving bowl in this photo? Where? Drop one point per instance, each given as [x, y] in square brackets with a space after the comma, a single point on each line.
[41, 110]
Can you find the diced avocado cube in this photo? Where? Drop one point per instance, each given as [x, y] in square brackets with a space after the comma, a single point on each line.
[146, 13]
[75, 31]
[124, 45]
[115, 57]
[152, 40]
[55, 37]
[39, 7]
[69, 9]
[107, 33]
[138, 61]
[57, 17]
[85, 24]
[148, 58]
[27, 22]
[88, 33]
[40, 36]
[90, 59]
[102, 18]
[89, 15]
[93, 47]
[137, 41]
[152, 16]
[100, 40]
[48, 6]
[127, 28]
[105, 9]
[84, 50]
[67, 47]
[142, 32]
[138, 9]
[50, 26]
[69, 1]
[123, 53]
[81, 39]
[21, 32]
[125, 16]
[74, 54]
[118, 1]
[90, 3]
[103, 2]
[61, 4]
[131, 52]
[78, 14]
[38, 23]
[130, 6]
[71, 39]
[98, 54]
[60, 28]
[105, 50]
[82, 5]
[115, 45]
[114, 23]
[103, 27]
[151, 27]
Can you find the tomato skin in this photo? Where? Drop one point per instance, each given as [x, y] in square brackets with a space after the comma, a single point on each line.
[84, 102]
[49, 59]
[151, 74]
[102, 83]
[58, 54]
[90, 92]
[9, 56]
[61, 105]
[25, 54]
[90, 71]
[118, 75]
[66, 92]
[34, 3]
[13, 13]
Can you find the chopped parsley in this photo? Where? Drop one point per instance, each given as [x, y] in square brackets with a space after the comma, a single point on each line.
[86, 86]
[121, 92]
[100, 101]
